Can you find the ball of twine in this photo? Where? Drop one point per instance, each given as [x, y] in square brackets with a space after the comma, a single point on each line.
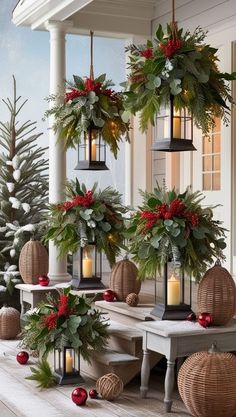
[132, 299]
[110, 386]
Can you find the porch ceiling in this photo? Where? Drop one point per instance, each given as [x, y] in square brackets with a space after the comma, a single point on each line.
[123, 18]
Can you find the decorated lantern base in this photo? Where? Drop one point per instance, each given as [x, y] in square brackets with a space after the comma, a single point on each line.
[91, 166]
[68, 378]
[93, 283]
[171, 312]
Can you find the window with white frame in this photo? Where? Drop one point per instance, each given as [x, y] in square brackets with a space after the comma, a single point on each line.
[211, 159]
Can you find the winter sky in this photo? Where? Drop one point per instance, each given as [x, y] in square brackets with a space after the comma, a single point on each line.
[25, 53]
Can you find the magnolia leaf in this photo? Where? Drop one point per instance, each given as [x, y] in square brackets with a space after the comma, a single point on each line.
[175, 232]
[86, 215]
[152, 202]
[73, 323]
[221, 243]
[154, 82]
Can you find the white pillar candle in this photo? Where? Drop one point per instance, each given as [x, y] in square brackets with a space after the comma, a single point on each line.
[173, 291]
[176, 126]
[87, 266]
[69, 362]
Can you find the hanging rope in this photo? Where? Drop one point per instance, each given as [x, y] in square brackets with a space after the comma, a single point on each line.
[173, 12]
[91, 55]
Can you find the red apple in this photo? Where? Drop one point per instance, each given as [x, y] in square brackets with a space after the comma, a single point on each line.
[22, 357]
[79, 396]
[109, 295]
[43, 280]
[93, 393]
[205, 319]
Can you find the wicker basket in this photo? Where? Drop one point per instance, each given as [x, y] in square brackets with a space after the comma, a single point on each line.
[33, 261]
[207, 384]
[9, 323]
[110, 386]
[217, 295]
[124, 280]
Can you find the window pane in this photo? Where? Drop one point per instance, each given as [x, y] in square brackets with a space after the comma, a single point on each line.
[216, 163]
[217, 125]
[207, 145]
[207, 163]
[216, 144]
[216, 181]
[206, 179]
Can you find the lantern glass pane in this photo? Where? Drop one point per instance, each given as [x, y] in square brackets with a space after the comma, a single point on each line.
[88, 261]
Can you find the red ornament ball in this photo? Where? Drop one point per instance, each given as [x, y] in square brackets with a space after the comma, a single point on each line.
[22, 357]
[43, 280]
[93, 393]
[79, 396]
[109, 295]
[205, 319]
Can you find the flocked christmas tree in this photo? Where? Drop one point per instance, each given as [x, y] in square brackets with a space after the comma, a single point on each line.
[23, 190]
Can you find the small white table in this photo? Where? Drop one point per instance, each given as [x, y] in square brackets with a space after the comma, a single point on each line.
[33, 294]
[176, 339]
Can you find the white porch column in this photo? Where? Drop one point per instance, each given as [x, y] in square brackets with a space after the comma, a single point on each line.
[57, 154]
[137, 153]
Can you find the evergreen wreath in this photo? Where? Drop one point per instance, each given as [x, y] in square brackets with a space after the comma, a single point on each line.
[67, 321]
[90, 104]
[181, 65]
[88, 216]
[175, 227]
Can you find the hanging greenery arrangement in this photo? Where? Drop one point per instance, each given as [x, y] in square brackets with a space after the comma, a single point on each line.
[182, 65]
[175, 227]
[90, 104]
[88, 216]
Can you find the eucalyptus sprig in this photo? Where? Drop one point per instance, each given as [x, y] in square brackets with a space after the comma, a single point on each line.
[181, 65]
[175, 227]
[88, 216]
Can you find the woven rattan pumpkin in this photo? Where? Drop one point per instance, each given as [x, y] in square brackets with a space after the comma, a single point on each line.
[9, 323]
[217, 295]
[33, 261]
[207, 384]
[124, 280]
[109, 386]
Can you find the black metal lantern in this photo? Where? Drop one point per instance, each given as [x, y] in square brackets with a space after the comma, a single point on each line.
[92, 152]
[174, 130]
[176, 295]
[87, 268]
[67, 366]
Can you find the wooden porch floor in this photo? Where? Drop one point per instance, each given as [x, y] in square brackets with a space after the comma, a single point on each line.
[20, 397]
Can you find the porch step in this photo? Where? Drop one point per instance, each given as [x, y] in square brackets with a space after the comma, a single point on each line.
[111, 361]
[123, 313]
[125, 338]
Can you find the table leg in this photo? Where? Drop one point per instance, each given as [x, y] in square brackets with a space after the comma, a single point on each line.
[169, 384]
[145, 373]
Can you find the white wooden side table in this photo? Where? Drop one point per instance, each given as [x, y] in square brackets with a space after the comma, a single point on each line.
[176, 339]
[33, 294]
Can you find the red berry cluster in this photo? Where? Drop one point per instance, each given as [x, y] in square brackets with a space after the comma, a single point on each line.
[79, 200]
[90, 85]
[73, 94]
[63, 309]
[170, 47]
[147, 53]
[50, 321]
[177, 208]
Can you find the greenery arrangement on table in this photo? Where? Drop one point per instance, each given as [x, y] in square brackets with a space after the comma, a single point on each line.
[175, 227]
[182, 65]
[88, 216]
[67, 321]
[90, 104]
